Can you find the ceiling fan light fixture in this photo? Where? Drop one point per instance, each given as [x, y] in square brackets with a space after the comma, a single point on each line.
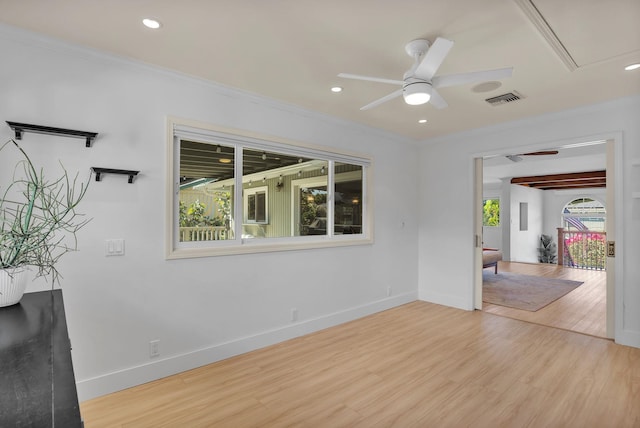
[416, 93]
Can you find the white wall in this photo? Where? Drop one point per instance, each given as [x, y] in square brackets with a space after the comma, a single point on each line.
[525, 243]
[549, 212]
[446, 253]
[545, 216]
[205, 309]
[516, 245]
[505, 212]
[492, 236]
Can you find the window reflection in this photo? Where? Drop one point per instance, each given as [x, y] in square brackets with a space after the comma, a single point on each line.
[278, 195]
[348, 199]
[282, 195]
[313, 210]
[205, 205]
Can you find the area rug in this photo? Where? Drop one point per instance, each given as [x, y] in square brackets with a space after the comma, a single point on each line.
[530, 293]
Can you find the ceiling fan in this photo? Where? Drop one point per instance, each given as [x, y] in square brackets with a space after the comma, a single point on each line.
[518, 158]
[419, 84]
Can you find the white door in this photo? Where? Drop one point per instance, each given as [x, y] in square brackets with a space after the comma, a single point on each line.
[611, 236]
[477, 232]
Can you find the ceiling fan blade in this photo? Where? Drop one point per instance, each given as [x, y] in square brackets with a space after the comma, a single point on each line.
[382, 100]
[541, 153]
[370, 79]
[433, 58]
[475, 76]
[437, 101]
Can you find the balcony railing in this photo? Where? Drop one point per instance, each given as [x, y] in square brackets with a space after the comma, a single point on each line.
[582, 249]
[203, 233]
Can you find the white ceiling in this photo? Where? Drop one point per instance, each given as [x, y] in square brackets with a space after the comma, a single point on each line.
[292, 50]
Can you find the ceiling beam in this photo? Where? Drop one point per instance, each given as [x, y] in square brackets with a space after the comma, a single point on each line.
[564, 181]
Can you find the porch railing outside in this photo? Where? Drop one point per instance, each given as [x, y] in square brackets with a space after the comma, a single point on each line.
[203, 233]
[582, 249]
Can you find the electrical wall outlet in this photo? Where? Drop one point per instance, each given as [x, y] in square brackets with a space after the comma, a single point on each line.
[389, 291]
[294, 315]
[154, 349]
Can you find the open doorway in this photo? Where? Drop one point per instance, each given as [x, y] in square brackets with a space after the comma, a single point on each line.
[524, 216]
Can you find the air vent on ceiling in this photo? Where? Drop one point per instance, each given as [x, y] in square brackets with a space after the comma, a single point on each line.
[504, 98]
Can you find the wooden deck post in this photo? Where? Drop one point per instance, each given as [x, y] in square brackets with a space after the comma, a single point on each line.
[560, 246]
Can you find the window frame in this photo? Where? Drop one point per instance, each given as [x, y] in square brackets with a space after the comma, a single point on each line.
[254, 191]
[178, 128]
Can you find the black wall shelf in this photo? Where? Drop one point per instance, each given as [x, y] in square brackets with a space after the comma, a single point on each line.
[100, 171]
[20, 128]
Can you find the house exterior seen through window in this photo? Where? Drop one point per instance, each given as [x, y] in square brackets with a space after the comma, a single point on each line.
[584, 214]
[233, 194]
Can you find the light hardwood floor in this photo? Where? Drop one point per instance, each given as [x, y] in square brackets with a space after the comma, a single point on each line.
[417, 365]
[583, 310]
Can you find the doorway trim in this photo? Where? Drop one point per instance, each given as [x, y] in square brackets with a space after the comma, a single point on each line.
[614, 149]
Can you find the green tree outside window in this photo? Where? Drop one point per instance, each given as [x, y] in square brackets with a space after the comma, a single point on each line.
[491, 212]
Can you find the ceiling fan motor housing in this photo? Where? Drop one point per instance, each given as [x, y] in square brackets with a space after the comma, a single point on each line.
[416, 91]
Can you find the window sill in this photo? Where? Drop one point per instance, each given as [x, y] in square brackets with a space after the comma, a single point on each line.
[251, 246]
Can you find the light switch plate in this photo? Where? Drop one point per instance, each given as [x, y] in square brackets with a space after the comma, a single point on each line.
[114, 247]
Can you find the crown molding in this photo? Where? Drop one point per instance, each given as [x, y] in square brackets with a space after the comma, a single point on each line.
[541, 24]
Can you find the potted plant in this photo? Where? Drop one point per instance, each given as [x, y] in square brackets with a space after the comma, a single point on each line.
[38, 224]
[547, 250]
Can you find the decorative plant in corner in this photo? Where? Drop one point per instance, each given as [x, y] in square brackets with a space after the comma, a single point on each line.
[37, 220]
[547, 250]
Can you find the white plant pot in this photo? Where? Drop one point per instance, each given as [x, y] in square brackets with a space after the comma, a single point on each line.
[13, 282]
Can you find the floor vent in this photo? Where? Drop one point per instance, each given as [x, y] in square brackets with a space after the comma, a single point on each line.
[504, 98]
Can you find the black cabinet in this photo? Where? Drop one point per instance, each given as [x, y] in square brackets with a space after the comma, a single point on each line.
[37, 384]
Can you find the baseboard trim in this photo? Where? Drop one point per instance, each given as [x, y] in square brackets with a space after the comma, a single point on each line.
[446, 300]
[132, 376]
[628, 338]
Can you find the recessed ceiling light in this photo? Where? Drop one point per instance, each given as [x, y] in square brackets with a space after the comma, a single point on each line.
[336, 89]
[422, 121]
[632, 66]
[151, 23]
[224, 160]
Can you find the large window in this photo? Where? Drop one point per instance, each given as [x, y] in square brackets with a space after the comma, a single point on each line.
[584, 234]
[491, 212]
[232, 193]
[584, 214]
